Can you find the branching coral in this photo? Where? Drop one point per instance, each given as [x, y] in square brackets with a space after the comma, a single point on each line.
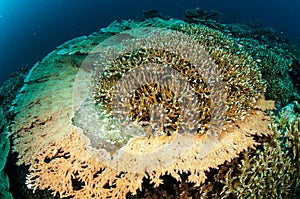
[269, 171]
[273, 170]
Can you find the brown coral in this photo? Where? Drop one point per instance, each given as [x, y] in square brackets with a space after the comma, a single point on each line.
[78, 148]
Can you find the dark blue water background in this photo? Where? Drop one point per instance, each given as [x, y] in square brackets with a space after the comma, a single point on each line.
[30, 29]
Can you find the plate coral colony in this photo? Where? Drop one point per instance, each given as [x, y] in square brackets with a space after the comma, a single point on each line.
[159, 108]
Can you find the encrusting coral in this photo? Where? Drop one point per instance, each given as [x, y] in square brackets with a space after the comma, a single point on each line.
[96, 121]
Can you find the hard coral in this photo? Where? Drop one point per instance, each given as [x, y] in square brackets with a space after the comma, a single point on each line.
[275, 66]
[144, 104]
[269, 171]
[272, 170]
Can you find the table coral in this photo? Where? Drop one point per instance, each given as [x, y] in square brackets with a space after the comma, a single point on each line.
[96, 121]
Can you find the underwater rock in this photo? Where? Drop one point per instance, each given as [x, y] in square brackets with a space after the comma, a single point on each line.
[102, 114]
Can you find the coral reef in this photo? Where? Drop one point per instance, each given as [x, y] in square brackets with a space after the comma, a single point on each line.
[269, 171]
[272, 171]
[243, 89]
[276, 62]
[275, 66]
[277, 58]
[160, 100]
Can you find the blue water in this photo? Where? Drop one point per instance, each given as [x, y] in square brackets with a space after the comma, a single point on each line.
[30, 29]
